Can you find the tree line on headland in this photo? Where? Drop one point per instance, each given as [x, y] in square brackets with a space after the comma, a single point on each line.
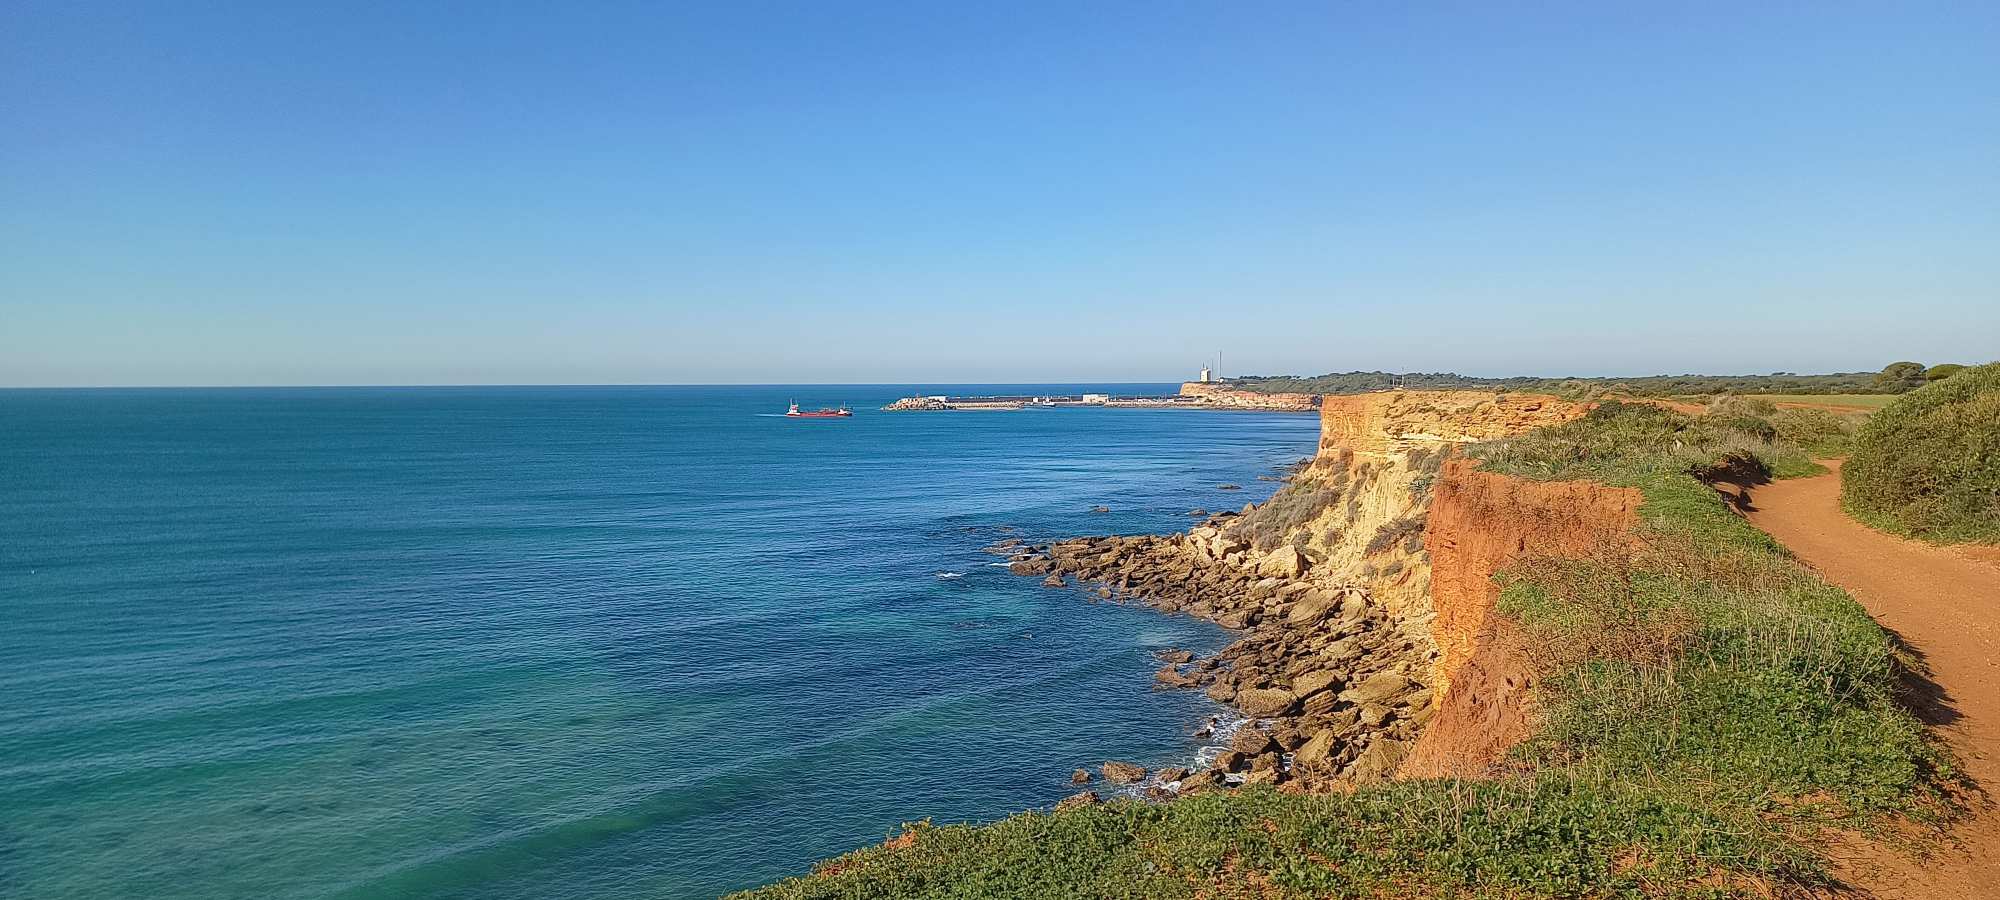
[1895, 378]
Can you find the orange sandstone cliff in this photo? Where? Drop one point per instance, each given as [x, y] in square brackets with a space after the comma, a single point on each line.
[1479, 523]
[1387, 508]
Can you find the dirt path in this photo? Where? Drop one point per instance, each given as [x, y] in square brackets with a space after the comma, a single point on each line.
[1945, 604]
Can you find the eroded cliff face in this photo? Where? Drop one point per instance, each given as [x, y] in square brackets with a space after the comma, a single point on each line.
[1480, 522]
[1355, 516]
[1364, 590]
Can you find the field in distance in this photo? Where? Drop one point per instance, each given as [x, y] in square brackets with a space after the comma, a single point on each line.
[1830, 401]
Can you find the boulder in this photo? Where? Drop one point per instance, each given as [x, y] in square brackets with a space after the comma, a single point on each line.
[1379, 761]
[1311, 607]
[1054, 581]
[1318, 753]
[1312, 683]
[1168, 776]
[1229, 761]
[1123, 773]
[1265, 702]
[1373, 715]
[1250, 741]
[1378, 687]
[1100, 509]
[1082, 776]
[1176, 656]
[1283, 562]
[1221, 692]
[1036, 566]
[1086, 798]
[1170, 676]
[1265, 762]
[1263, 776]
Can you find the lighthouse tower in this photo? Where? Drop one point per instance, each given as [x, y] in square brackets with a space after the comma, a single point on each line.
[1207, 376]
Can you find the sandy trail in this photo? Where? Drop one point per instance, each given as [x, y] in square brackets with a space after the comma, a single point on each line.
[1945, 603]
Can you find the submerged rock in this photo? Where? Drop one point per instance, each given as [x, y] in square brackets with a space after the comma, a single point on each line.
[1081, 776]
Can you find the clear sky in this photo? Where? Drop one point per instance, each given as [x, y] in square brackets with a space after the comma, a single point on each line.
[360, 193]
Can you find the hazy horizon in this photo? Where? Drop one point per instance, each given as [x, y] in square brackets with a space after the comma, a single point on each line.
[278, 194]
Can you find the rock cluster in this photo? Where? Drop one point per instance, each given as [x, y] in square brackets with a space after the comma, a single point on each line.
[1331, 680]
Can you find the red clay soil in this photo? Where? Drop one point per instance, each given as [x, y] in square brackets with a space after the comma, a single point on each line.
[1945, 604]
[1479, 522]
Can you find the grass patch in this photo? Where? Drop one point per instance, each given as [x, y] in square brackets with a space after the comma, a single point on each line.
[1549, 836]
[1928, 465]
[1627, 443]
[1848, 401]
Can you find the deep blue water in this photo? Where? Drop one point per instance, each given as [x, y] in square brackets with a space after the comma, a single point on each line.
[560, 642]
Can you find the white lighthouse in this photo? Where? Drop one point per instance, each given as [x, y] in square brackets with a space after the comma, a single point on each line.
[1207, 376]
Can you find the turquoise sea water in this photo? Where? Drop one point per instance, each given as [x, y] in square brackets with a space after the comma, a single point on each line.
[560, 642]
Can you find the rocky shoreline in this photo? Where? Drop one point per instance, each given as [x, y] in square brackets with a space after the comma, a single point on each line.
[1331, 685]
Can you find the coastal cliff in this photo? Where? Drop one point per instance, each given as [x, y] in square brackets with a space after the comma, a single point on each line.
[1456, 574]
[1352, 643]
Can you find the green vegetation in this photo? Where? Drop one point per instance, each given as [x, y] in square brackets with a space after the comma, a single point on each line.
[1856, 401]
[1928, 465]
[1893, 379]
[1629, 443]
[1898, 377]
[1550, 836]
[1705, 662]
[1711, 706]
[1304, 498]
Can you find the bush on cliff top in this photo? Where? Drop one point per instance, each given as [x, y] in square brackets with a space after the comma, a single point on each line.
[1928, 465]
[1625, 443]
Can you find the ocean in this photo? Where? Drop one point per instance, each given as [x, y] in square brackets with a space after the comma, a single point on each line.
[571, 643]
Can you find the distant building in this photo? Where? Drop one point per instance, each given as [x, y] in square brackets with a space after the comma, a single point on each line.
[1207, 376]
[1097, 398]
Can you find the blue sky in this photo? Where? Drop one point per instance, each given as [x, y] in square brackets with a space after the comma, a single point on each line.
[269, 193]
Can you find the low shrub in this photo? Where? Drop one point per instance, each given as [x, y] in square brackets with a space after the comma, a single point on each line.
[1267, 525]
[1928, 465]
[1408, 531]
[1817, 431]
[1623, 443]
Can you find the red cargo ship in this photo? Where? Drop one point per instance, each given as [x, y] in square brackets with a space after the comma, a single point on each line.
[794, 413]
